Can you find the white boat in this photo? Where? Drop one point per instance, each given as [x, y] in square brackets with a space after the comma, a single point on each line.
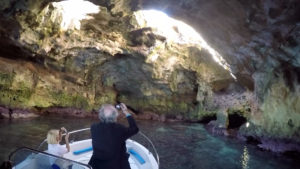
[80, 154]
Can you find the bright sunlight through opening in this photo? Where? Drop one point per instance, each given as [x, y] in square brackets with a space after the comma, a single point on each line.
[247, 124]
[176, 31]
[73, 11]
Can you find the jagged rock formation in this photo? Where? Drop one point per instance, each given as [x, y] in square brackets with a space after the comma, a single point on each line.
[113, 58]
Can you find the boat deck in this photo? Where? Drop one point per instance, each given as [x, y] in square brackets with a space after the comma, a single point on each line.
[86, 158]
[140, 157]
[80, 154]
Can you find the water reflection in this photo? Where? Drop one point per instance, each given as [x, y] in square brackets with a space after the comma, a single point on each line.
[245, 158]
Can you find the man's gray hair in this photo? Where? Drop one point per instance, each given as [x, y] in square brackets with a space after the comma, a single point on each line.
[107, 114]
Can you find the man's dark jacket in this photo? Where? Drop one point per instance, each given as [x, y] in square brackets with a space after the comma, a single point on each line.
[109, 147]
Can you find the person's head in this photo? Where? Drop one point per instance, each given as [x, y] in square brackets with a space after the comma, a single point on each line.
[53, 136]
[108, 113]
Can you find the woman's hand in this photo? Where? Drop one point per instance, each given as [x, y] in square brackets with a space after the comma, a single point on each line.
[66, 132]
[63, 129]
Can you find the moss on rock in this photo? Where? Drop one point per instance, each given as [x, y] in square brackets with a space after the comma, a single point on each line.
[69, 100]
[6, 79]
[14, 93]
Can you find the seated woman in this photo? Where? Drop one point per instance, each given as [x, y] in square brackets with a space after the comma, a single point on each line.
[54, 137]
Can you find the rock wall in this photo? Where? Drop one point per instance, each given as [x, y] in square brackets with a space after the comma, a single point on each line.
[107, 60]
[260, 41]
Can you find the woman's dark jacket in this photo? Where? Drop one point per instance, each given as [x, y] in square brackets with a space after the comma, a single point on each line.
[109, 147]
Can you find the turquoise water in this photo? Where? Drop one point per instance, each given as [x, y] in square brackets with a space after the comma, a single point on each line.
[180, 145]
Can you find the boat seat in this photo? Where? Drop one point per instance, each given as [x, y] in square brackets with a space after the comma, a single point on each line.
[84, 150]
[137, 156]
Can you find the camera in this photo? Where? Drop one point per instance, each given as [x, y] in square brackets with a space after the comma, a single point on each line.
[118, 107]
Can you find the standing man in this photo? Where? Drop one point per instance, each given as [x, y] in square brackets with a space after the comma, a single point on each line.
[108, 139]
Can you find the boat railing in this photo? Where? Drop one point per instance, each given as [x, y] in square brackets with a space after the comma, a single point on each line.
[74, 134]
[27, 158]
[150, 145]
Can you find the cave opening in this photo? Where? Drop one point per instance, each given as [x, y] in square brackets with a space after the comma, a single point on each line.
[252, 140]
[236, 120]
[207, 119]
[72, 12]
[178, 32]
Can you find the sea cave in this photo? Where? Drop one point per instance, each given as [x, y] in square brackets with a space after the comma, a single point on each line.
[215, 77]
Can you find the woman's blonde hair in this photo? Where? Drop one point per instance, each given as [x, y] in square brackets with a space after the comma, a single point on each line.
[52, 136]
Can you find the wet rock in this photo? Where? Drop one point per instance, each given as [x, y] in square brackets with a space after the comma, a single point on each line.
[68, 112]
[148, 116]
[179, 117]
[10, 113]
[162, 118]
[280, 146]
[145, 116]
[217, 129]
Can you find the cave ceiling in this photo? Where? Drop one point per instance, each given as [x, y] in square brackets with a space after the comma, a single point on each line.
[111, 57]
